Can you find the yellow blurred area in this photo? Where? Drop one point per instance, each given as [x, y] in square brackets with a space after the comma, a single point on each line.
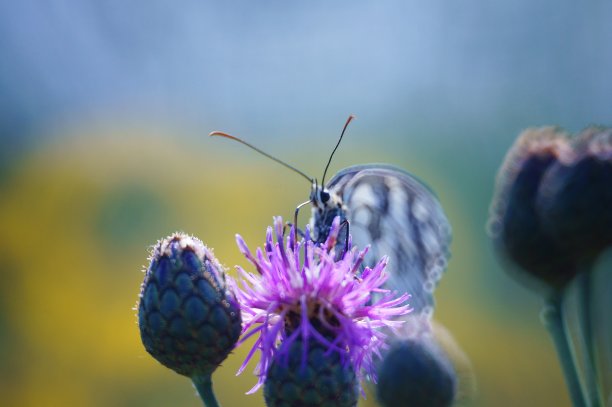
[77, 220]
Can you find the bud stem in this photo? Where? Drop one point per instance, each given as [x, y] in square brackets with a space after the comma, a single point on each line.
[591, 388]
[203, 384]
[552, 318]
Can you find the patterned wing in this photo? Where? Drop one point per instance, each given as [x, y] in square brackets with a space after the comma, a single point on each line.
[398, 216]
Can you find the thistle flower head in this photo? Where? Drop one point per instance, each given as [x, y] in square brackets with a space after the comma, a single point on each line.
[308, 293]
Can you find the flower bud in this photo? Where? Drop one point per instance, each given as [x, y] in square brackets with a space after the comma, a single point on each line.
[189, 320]
[576, 196]
[311, 379]
[415, 372]
[515, 223]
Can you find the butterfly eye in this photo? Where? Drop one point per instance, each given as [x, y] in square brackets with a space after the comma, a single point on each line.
[324, 196]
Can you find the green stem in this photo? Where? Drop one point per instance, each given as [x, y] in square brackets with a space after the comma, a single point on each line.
[204, 386]
[552, 318]
[586, 331]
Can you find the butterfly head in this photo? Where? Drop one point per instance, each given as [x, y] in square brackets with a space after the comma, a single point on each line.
[322, 199]
[326, 205]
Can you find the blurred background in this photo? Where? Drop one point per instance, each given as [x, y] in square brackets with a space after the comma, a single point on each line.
[104, 112]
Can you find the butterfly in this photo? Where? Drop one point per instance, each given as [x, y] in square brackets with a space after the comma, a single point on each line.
[390, 210]
[398, 216]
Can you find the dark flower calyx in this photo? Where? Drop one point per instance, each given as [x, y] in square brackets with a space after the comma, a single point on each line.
[575, 200]
[316, 378]
[515, 224]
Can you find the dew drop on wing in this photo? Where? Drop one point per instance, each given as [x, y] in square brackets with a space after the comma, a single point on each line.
[434, 274]
[429, 286]
[441, 263]
[494, 227]
[427, 311]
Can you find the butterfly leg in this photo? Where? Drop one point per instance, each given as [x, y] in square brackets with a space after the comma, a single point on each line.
[346, 223]
[289, 225]
[295, 217]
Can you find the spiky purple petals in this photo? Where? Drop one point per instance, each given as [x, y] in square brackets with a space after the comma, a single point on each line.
[307, 292]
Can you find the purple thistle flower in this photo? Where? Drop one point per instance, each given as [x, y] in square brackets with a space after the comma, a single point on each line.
[307, 292]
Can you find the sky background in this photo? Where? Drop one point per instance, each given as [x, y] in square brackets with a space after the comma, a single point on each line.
[104, 112]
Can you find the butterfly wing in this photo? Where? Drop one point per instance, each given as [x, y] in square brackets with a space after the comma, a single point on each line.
[398, 216]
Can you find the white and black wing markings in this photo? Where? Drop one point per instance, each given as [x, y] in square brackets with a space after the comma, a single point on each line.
[398, 216]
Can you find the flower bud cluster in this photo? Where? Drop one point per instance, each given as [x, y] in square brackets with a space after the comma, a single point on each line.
[551, 210]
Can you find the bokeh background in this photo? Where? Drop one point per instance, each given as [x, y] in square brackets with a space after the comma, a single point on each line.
[104, 112]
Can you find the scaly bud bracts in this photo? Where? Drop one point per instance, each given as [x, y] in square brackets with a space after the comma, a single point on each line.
[312, 379]
[189, 320]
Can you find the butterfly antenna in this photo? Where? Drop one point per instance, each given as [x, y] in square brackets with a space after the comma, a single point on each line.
[350, 118]
[220, 134]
